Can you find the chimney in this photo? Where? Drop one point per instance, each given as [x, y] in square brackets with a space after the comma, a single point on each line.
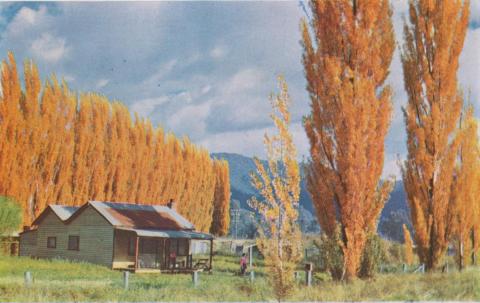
[172, 205]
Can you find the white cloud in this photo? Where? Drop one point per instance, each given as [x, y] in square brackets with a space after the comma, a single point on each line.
[102, 83]
[190, 120]
[218, 52]
[27, 18]
[172, 72]
[245, 79]
[250, 142]
[469, 71]
[146, 106]
[159, 75]
[49, 48]
[68, 78]
[206, 89]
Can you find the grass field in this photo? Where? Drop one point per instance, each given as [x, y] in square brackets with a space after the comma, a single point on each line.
[59, 280]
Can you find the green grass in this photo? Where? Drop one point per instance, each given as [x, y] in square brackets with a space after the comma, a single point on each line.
[59, 280]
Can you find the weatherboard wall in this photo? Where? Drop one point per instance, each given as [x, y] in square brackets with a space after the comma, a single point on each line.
[28, 243]
[96, 238]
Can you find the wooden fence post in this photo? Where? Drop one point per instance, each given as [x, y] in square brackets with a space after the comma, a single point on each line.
[308, 274]
[308, 278]
[126, 275]
[195, 278]
[250, 252]
[28, 279]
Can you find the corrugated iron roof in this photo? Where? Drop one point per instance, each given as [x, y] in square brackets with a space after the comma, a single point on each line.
[62, 211]
[130, 216]
[177, 234]
[141, 216]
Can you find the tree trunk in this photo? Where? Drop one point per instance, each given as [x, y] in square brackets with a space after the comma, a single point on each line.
[461, 264]
[474, 253]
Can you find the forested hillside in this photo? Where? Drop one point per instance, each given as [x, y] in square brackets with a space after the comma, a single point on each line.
[393, 216]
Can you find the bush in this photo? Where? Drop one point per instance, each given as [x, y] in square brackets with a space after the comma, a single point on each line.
[331, 255]
[373, 255]
[395, 252]
[10, 216]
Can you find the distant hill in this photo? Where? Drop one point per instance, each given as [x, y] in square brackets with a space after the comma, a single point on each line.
[393, 215]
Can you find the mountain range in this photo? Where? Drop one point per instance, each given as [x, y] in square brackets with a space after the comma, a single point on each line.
[393, 216]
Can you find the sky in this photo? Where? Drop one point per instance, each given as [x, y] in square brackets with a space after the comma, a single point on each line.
[199, 69]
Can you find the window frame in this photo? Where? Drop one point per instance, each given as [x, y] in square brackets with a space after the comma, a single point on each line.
[77, 248]
[54, 242]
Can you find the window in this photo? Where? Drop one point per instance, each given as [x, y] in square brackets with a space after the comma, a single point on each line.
[131, 246]
[73, 243]
[52, 242]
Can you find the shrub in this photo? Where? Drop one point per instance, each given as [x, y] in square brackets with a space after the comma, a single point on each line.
[10, 215]
[373, 255]
[331, 255]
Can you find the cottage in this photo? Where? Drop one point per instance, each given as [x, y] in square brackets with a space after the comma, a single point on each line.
[117, 235]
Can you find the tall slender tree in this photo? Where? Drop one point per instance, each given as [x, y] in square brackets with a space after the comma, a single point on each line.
[466, 187]
[347, 54]
[60, 147]
[407, 245]
[221, 204]
[433, 41]
[279, 186]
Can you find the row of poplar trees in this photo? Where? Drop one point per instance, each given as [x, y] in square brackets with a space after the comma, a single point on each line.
[65, 148]
[348, 48]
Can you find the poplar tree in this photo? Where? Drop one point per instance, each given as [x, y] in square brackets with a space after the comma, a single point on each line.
[221, 204]
[62, 147]
[348, 47]
[278, 184]
[408, 245]
[433, 41]
[466, 187]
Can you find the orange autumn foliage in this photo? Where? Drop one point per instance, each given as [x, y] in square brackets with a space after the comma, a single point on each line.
[433, 42]
[346, 59]
[278, 183]
[221, 207]
[466, 188]
[60, 147]
[408, 245]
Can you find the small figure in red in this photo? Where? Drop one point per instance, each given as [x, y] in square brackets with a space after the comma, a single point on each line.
[173, 259]
[243, 264]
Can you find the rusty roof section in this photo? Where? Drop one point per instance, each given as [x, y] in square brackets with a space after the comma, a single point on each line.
[126, 215]
[141, 216]
[144, 219]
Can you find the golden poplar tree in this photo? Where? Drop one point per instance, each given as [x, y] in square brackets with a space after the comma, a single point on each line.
[221, 204]
[348, 48]
[466, 187]
[60, 147]
[30, 143]
[279, 186]
[11, 126]
[407, 245]
[433, 42]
